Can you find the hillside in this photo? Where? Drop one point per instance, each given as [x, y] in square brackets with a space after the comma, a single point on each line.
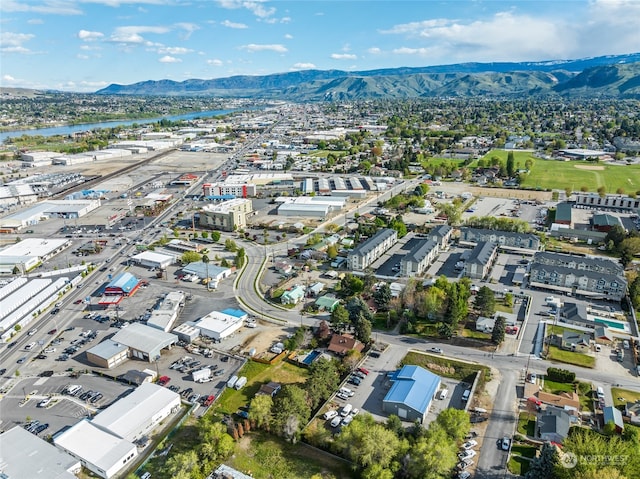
[613, 76]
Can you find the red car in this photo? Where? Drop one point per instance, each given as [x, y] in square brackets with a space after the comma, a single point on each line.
[53, 331]
[363, 370]
[77, 301]
[164, 380]
[209, 401]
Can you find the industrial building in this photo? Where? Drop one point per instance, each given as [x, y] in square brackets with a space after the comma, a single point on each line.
[214, 272]
[165, 315]
[260, 178]
[17, 194]
[108, 354]
[221, 324]
[315, 206]
[144, 342]
[29, 253]
[138, 413]
[151, 259]
[411, 394]
[25, 455]
[366, 253]
[226, 216]
[45, 210]
[187, 332]
[100, 451]
[238, 190]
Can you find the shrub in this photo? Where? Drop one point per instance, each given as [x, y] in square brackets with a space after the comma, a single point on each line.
[561, 375]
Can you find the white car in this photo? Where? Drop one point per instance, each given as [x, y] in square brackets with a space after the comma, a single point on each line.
[32, 332]
[342, 395]
[44, 402]
[470, 444]
[355, 411]
[436, 350]
[347, 420]
[330, 414]
[464, 475]
[505, 443]
[335, 422]
[50, 350]
[532, 378]
[468, 454]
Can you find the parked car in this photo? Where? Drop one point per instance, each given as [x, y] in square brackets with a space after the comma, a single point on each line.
[505, 443]
[363, 371]
[470, 444]
[32, 332]
[436, 350]
[335, 422]
[468, 454]
[53, 331]
[330, 414]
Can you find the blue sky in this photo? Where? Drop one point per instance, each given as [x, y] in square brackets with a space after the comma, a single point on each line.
[84, 45]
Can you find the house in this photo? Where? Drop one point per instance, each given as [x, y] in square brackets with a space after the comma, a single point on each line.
[604, 222]
[269, 389]
[328, 302]
[481, 260]
[315, 289]
[341, 344]
[576, 341]
[411, 393]
[283, 267]
[553, 425]
[563, 400]
[486, 325]
[293, 295]
[614, 415]
[632, 411]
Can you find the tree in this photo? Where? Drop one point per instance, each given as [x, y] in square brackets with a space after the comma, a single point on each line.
[339, 318]
[291, 411]
[568, 191]
[367, 443]
[433, 456]
[332, 251]
[363, 330]
[230, 245]
[382, 296]
[602, 191]
[241, 257]
[510, 164]
[497, 335]
[508, 300]
[261, 410]
[205, 260]
[542, 467]
[323, 380]
[486, 301]
[455, 422]
[190, 257]
[215, 236]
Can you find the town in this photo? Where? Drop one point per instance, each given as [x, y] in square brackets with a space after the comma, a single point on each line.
[376, 289]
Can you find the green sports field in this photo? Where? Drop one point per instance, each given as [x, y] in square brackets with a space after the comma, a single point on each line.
[552, 174]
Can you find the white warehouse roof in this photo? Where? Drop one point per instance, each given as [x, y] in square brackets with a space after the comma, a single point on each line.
[144, 338]
[23, 454]
[33, 247]
[219, 325]
[133, 413]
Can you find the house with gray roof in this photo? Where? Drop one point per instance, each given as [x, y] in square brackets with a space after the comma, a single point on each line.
[480, 260]
[553, 425]
[506, 239]
[419, 258]
[366, 253]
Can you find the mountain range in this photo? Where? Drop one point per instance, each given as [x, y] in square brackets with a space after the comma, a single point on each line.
[612, 76]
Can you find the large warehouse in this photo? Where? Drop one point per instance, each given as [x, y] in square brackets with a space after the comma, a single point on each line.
[219, 325]
[100, 451]
[137, 414]
[29, 253]
[411, 394]
[165, 315]
[150, 259]
[25, 455]
[108, 354]
[144, 342]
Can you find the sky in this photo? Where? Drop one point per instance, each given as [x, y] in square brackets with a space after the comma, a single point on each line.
[85, 45]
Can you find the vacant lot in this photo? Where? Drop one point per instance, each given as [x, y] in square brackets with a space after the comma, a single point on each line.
[622, 396]
[570, 357]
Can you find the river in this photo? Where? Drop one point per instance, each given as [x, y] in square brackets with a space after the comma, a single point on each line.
[68, 129]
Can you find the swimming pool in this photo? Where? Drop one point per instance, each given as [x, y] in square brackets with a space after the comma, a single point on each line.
[311, 357]
[610, 324]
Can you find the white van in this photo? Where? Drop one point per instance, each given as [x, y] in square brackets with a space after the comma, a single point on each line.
[346, 410]
[30, 346]
[443, 394]
[466, 394]
[600, 392]
[346, 391]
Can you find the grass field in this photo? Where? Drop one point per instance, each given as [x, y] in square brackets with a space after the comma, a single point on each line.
[626, 394]
[570, 357]
[552, 174]
[521, 456]
[526, 424]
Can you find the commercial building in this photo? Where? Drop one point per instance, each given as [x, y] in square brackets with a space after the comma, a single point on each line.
[29, 253]
[506, 239]
[25, 455]
[207, 270]
[65, 209]
[594, 277]
[138, 413]
[604, 222]
[164, 316]
[480, 260]
[226, 216]
[260, 179]
[411, 394]
[108, 354]
[124, 284]
[419, 258]
[100, 451]
[238, 190]
[366, 253]
[144, 342]
[305, 206]
[151, 259]
[219, 325]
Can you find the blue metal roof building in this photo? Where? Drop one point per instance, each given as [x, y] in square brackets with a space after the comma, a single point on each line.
[124, 284]
[411, 394]
[236, 313]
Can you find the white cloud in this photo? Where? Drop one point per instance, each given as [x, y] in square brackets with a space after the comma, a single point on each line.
[412, 51]
[303, 66]
[8, 79]
[288, 36]
[188, 28]
[82, 56]
[344, 56]
[169, 59]
[374, 51]
[230, 24]
[215, 62]
[35, 21]
[48, 7]
[174, 50]
[89, 36]
[13, 42]
[88, 48]
[131, 34]
[257, 7]
[253, 47]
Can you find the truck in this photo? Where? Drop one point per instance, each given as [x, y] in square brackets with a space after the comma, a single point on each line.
[201, 375]
[242, 380]
[232, 382]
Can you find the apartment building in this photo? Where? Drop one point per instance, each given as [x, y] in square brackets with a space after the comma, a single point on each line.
[226, 216]
[366, 253]
[419, 258]
[481, 259]
[505, 239]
